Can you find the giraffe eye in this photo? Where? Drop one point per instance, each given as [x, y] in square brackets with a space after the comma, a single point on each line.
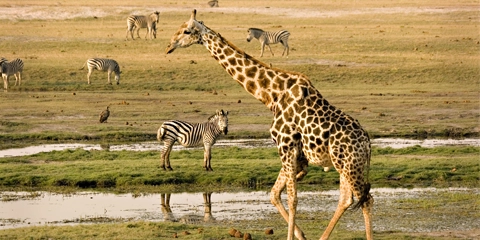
[186, 32]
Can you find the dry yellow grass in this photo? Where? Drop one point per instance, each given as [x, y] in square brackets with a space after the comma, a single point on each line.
[401, 68]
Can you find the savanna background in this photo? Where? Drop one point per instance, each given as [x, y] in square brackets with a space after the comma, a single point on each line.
[405, 69]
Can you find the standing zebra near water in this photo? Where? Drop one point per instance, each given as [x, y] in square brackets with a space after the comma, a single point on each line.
[150, 22]
[103, 64]
[15, 67]
[267, 38]
[192, 134]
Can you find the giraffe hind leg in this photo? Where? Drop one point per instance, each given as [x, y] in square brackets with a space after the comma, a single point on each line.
[367, 215]
[345, 200]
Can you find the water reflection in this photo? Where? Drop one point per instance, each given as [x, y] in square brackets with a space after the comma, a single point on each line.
[421, 209]
[19, 209]
[187, 218]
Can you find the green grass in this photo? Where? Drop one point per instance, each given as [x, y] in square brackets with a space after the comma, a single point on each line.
[253, 168]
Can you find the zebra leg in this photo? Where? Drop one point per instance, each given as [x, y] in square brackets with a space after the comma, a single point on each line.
[261, 51]
[5, 82]
[167, 148]
[268, 45]
[207, 156]
[109, 73]
[88, 75]
[16, 79]
[138, 32]
[286, 48]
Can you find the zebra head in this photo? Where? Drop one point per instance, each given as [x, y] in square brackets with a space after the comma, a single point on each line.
[188, 34]
[254, 33]
[221, 119]
[155, 16]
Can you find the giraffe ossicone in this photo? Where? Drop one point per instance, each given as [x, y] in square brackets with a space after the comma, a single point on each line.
[306, 128]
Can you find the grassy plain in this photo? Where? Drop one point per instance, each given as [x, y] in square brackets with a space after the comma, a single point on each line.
[403, 68]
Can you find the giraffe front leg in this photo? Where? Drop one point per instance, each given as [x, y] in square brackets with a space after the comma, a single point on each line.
[275, 199]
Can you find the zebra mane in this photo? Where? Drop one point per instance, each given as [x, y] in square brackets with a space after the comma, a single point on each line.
[247, 56]
[212, 117]
[255, 29]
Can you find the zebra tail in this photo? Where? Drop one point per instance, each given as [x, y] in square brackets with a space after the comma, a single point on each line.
[161, 134]
[85, 63]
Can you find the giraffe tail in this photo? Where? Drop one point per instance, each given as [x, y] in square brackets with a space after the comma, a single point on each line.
[366, 187]
[364, 198]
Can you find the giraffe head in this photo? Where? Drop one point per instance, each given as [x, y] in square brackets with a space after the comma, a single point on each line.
[188, 34]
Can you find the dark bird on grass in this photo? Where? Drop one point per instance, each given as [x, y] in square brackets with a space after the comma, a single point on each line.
[213, 3]
[104, 115]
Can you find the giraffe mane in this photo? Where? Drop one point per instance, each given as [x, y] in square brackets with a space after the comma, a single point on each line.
[246, 55]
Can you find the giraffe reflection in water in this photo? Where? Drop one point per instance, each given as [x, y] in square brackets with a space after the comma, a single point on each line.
[188, 218]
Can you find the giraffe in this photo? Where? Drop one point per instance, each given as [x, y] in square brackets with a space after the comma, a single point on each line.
[306, 128]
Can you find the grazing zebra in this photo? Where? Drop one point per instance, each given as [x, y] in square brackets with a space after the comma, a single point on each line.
[213, 3]
[150, 22]
[192, 134]
[103, 64]
[104, 115]
[267, 38]
[14, 67]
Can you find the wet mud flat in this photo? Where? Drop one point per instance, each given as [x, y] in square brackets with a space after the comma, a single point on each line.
[435, 212]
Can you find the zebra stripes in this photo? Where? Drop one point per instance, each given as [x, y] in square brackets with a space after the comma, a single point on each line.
[136, 22]
[192, 134]
[15, 67]
[267, 38]
[103, 64]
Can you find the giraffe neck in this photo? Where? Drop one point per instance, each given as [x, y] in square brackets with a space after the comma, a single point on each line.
[255, 76]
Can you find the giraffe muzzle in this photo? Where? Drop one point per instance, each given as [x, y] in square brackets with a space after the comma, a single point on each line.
[169, 49]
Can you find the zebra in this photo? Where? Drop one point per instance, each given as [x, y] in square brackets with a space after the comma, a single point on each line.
[103, 64]
[267, 38]
[192, 134]
[15, 67]
[150, 22]
[213, 3]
